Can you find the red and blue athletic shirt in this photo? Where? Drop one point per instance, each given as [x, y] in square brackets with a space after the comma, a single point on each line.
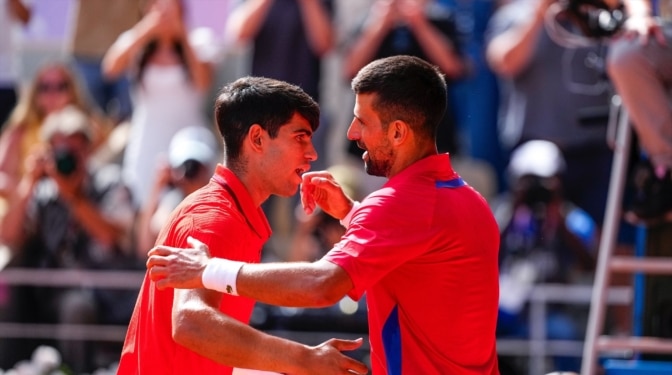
[424, 248]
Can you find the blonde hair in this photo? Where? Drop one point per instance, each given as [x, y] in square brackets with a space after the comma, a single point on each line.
[26, 112]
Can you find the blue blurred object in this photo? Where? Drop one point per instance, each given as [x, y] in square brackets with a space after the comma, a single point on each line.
[630, 367]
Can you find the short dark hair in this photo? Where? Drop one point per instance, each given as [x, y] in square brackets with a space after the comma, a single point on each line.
[407, 88]
[257, 100]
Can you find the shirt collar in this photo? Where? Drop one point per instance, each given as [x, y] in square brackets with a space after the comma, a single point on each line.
[254, 214]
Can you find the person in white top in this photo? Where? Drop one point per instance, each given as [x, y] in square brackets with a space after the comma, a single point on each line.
[169, 79]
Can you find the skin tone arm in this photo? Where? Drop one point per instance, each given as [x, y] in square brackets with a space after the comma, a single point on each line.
[122, 52]
[509, 53]
[438, 47]
[641, 23]
[195, 313]
[316, 284]
[246, 20]
[318, 26]
[10, 159]
[11, 224]
[383, 17]
[156, 24]
[19, 10]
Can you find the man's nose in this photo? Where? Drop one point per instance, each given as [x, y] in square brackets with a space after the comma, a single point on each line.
[353, 131]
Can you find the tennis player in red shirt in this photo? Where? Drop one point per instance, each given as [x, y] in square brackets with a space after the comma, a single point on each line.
[267, 126]
[423, 248]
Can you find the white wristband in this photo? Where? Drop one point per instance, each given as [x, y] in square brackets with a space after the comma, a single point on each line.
[221, 274]
[346, 220]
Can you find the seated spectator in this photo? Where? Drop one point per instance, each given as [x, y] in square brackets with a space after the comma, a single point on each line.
[62, 215]
[640, 67]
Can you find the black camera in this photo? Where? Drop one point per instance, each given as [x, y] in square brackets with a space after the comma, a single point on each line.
[595, 18]
[65, 161]
[189, 169]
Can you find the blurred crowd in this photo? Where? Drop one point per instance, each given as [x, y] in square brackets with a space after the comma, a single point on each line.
[98, 147]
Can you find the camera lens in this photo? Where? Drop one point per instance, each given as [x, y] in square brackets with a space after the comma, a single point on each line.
[66, 161]
[191, 168]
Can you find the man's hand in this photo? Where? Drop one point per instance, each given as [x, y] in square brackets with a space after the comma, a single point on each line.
[645, 28]
[321, 189]
[172, 267]
[327, 358]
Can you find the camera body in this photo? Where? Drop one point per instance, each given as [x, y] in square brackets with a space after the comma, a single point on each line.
[65, 161]
[188, 170]
[595, 18]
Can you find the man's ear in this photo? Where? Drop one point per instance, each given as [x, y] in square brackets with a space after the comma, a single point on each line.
[254, 136]
[398, 131]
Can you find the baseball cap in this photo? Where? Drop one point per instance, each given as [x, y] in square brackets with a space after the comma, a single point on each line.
[193, 143]
[538, 158]
[68, 121]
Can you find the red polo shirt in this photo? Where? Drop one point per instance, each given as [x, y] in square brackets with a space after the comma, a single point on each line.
[424, 248]
[223, 216]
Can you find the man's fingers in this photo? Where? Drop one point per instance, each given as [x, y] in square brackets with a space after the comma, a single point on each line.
[157, 260]
[157, 273]
[346, 345]
[161, 250]
[356, 367]
[194, 242]
[162, 284]
[198, 245]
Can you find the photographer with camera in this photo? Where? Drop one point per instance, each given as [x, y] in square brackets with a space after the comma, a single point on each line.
[64, 216]
[640, 66]
[555, 88]
[550, 58]
[544, 239]
[192, 156]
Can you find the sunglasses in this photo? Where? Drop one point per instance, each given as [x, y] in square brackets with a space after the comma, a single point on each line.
[62, 86]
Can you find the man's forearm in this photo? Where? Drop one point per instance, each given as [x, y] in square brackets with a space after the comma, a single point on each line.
[294, 284]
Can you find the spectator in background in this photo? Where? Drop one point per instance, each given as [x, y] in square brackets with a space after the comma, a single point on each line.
[420, 28]
[544, 239]
[554, 91]
[169, 80]
[11, 13]
[64, 216]
[97, 24]
[54, 87]
[640, 66]
[192, 157]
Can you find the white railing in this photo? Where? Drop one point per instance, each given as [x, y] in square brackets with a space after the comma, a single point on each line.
[537, 347]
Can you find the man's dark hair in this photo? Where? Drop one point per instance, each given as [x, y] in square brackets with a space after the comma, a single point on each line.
[407, 88]
[256, 100]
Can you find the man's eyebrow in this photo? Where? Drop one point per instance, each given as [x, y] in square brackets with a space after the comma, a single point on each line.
[304, 131]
